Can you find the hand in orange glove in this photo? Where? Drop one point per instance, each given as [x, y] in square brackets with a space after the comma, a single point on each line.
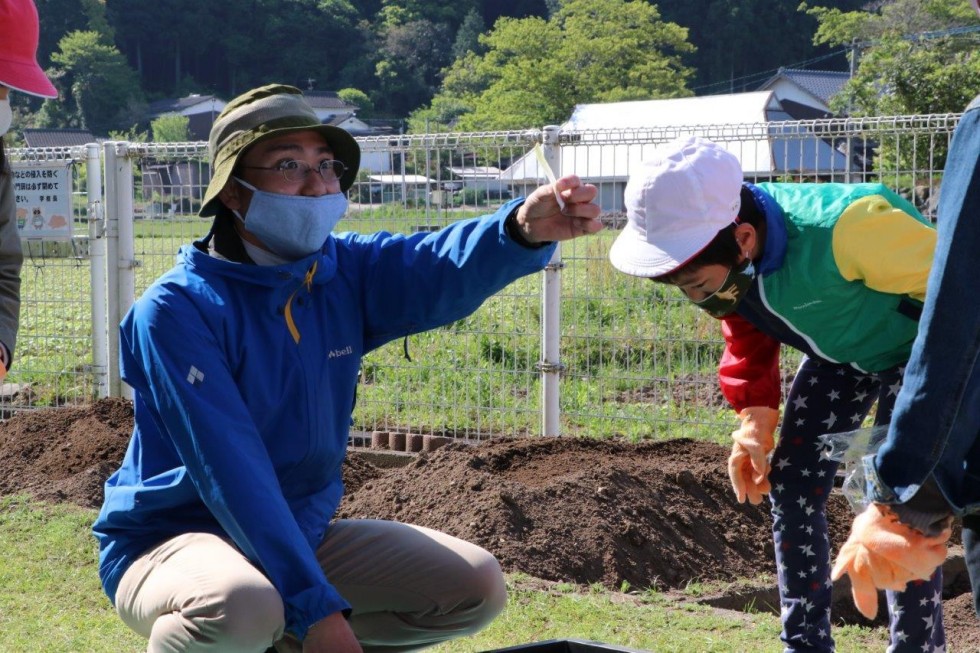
[748, 465]
[883, 553]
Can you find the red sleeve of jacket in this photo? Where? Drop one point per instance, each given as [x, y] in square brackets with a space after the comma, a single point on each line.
[749, 368]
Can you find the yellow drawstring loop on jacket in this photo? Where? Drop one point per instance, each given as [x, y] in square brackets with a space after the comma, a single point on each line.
[308, 283]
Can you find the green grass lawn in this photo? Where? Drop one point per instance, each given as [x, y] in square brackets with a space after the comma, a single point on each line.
[52, 602]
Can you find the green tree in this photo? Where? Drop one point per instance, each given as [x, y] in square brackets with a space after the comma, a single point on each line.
[741, 43]
[468, 35]
[451, 12]
[360, 99]
[59, 17]
[97, 88]
[912, 58]
[915, 58]
[170, 128]
[413, 56]
[131, 135]
[310, 39]
[534, 71]
[227, 46]
[170, 35]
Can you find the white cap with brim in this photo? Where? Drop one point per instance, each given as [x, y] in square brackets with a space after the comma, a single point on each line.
[676, 203]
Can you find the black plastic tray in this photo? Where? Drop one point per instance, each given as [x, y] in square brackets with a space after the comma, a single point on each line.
[565, 646]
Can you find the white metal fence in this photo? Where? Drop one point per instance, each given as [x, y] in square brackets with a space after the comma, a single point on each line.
[578, 349]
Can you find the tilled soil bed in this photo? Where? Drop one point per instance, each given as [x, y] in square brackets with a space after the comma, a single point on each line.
[643, 515]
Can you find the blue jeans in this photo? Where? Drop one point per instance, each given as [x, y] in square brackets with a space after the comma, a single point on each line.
[933, 437]
[832, 398]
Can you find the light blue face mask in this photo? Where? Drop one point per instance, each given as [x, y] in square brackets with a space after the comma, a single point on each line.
[292, 226]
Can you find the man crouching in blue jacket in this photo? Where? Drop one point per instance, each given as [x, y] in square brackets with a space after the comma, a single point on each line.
[216, 533]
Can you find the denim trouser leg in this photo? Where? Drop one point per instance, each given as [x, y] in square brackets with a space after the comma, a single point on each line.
[827, 398]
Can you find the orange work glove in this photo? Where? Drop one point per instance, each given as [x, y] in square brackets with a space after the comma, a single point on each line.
[748, 465]
[883, 553]
[3, 370]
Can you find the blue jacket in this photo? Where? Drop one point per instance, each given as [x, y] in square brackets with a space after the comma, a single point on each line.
[244, 378]
[929, 465]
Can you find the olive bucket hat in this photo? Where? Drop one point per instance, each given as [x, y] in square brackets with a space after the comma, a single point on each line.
[261, 113]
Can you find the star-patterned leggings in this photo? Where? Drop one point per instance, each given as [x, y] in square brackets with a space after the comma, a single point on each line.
[831, 398]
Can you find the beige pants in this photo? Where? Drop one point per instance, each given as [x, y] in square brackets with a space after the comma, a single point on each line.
[410, 587]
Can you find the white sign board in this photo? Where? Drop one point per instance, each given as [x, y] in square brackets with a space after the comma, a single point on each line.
[43, 197]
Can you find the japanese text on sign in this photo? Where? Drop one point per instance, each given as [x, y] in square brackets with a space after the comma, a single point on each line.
[43, 197]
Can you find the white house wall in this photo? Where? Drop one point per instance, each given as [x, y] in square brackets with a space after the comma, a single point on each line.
[377, 157]
[731, 108]
[787, 90]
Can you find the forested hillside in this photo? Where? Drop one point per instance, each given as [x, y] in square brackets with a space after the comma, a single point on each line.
[432, 59]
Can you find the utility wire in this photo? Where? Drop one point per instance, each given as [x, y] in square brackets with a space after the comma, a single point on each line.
[769, 73]
[922, 36]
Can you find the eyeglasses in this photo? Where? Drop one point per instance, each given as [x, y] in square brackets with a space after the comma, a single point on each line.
[295, 171]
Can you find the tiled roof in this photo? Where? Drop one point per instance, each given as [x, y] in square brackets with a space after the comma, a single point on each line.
[176, 105]
[822, 84]
[57, 137]
[327, 100]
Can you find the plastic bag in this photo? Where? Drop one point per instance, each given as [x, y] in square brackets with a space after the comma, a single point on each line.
[849, 448]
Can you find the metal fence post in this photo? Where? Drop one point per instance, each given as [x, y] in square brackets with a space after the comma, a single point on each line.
[127, 262]
[112, 316]
[97, 265]
[550, 365]
[120, 257]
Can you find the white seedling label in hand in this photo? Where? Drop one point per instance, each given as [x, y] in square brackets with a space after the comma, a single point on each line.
[549, 173]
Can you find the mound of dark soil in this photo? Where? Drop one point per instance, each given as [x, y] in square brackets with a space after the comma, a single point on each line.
[64, 454]
[588, 511]
[655, 514]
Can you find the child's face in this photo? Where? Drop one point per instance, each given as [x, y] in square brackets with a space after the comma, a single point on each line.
[700, 283]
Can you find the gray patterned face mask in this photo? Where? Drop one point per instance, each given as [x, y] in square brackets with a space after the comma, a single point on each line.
[730, 293]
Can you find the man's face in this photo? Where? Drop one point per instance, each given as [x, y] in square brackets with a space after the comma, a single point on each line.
[262, 166]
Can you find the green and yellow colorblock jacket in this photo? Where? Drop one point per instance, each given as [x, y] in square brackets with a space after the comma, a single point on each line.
[842, 277]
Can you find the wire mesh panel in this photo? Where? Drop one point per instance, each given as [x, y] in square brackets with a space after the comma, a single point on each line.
[168, 185]
[475, 377]
[640, 360]
[52, 363]
[636, 359]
